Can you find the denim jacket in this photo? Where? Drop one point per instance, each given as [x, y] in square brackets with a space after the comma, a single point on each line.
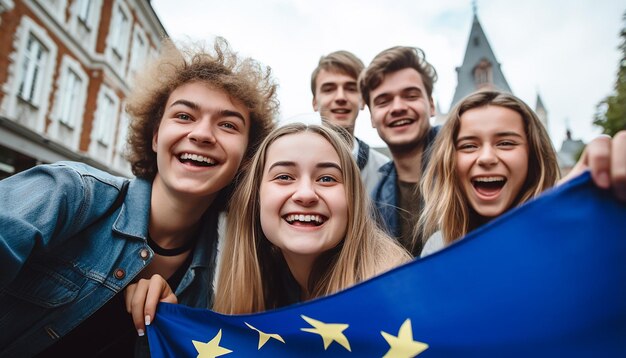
[61, 259]
[385, 195]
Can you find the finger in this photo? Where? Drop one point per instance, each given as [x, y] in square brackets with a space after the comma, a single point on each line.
[158, 291]
[128, 295]
[618, 165]
[599, 159]
[137, 305]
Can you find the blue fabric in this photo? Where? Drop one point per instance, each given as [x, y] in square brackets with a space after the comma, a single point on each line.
[545, 280]
[59, 255]
[385, 195]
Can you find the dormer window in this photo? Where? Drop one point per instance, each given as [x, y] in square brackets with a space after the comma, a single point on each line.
[483, 74]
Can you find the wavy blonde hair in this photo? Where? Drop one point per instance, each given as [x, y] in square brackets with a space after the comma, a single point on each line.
[446, 207]
[252, 269]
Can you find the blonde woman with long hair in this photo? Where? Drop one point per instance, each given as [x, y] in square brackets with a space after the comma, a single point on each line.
[492, 154]
[302, 228]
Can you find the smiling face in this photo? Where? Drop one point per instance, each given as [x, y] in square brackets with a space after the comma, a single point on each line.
[302, 198]
[491, 158]
[337, 98]
[401, 109]
[201, 140]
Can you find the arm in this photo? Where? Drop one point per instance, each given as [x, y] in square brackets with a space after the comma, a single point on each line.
[606, 159]
[35, 208]
[142, 298]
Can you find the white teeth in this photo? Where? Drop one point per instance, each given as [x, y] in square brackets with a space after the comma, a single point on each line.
[400, 122]
[197, 158]
[304, 218]
[489, 179]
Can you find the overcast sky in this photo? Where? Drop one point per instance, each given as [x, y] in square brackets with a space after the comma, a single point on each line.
[565, 50]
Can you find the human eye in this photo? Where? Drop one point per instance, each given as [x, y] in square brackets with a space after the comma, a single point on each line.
[283, 177]
[381, 101]
[327, 179]
[183, 116]
[327, 88]
[412, 95]
[466, 147]
[229, 125]
[507, 144]
[352, 88]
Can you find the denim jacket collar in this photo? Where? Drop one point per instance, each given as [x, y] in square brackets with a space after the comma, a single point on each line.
[134, 223]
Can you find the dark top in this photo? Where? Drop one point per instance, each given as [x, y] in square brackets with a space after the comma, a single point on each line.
[109, 332]
[410, 207]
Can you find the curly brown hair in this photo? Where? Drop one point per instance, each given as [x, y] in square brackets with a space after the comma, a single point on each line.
[243, 79]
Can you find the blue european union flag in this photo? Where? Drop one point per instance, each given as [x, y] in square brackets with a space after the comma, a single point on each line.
[547, 279]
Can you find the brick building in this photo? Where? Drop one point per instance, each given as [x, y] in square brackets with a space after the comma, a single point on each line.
[65, 70]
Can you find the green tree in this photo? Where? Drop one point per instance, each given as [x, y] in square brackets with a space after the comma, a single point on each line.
[611, 111]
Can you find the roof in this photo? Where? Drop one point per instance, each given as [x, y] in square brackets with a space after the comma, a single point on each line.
[477, 51]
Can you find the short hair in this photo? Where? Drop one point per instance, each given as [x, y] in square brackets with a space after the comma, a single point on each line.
[392, 60]
[339, 61]
[446, 207]
[252, 268]
[243, 79]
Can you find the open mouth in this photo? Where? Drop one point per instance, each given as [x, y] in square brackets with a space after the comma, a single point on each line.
[305, 220]
[196, 160]
[489, 186]
[340, 111]
[401, 122]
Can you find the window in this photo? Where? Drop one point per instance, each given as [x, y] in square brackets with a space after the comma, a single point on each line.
[104, 129]
[139, 51]
[70, 99]
[121, 135]
[83, 11]
[32, 67]
[119, 26]
[483, 74]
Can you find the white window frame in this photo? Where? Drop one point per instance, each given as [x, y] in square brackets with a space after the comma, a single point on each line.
[139, 51]
[56, 8]
[85, 30]
[9, 105]
[119, 30]
[70, 98]
[34, 58]
[69, 108]
[106, 117]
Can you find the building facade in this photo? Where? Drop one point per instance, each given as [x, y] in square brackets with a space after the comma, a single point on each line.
[65, 70]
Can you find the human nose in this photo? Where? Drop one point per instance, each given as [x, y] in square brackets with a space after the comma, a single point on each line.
[398, 106]
[202, 132]
[487, 156]
[305, 193]
[340, 95]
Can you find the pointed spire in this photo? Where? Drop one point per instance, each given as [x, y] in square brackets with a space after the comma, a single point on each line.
[541, 111]
[474, 8]
[539, 104]
[480, 68]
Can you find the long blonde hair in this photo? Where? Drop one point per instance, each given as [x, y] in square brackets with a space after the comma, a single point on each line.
[252, 269]
[446, 208]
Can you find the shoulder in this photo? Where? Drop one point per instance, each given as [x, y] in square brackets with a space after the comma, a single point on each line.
[378, 157]
[85, 170]
[433, 244]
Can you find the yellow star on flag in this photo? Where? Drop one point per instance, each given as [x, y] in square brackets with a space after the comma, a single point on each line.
[212, 348]
[329, 331]
[264, 337]
[403, 346]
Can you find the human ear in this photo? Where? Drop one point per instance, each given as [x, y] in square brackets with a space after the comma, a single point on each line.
[155, 138]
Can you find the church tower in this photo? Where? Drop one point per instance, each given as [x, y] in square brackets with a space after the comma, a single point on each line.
[541, 111]
[480, 68]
